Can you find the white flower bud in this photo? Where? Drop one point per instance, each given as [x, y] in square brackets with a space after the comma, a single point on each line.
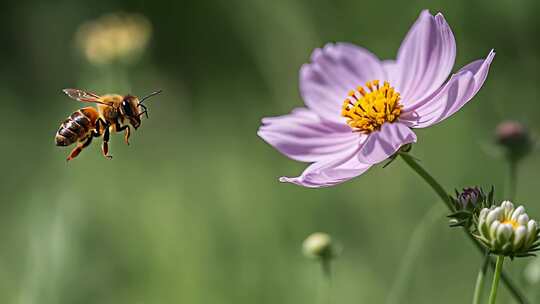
[532, 231]
[493, 229]
[519, 211]
[318, 245]
[523, 219]
[493, 215]
[484, 212]
[519, 236]
[507, 205]
[506, 230]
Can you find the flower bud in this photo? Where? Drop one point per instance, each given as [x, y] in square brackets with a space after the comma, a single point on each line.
[470, 198]
[514, 138]
[468, 203]
[506, 230]
[318, 245]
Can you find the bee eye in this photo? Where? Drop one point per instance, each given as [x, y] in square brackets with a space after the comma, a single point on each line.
[127, 108]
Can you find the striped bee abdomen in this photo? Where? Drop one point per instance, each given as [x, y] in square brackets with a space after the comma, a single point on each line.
[77, 126]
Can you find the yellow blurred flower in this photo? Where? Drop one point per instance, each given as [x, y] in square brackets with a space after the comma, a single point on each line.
[318, 245]
[114, 37]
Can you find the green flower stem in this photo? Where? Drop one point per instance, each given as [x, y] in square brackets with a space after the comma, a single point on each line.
[326, 282]
[414, 248]
[496, 278]
[326, 268]
[518, 296]
[428, 179]
[512, 180]
[479, 287]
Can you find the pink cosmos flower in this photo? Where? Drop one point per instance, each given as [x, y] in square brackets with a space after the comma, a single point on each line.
[361, 110]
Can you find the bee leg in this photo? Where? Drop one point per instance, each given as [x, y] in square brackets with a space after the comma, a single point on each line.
[74, 152]
[79, 148]
[100, 123]
[126, 129]
[105, 146]
[126, 134]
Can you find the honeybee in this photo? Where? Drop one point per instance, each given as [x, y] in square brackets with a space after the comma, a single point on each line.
[111, 115]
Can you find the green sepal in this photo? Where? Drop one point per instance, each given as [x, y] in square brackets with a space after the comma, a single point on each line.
[525, 255]
[461, 214]
[490, 198]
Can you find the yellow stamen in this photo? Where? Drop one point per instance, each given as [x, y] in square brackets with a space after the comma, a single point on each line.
[511, 222]
[368, 111]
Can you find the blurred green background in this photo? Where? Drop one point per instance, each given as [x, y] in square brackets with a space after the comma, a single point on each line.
[192, 211]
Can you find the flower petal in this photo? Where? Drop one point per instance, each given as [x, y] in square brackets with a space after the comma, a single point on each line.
[461, 88]
[393, 73]
[425, 58]
[334, 71]
[330, 171]
[303, 136]
[382, 144]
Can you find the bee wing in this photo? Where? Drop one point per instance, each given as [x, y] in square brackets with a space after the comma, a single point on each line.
[83, 96]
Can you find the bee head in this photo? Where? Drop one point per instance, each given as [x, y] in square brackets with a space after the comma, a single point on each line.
[130, 109]
[133, 108]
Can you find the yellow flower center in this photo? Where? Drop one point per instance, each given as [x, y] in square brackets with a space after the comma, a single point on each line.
[511, 222]
[368, 111]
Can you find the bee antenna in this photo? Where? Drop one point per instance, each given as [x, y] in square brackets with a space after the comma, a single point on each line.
[145, 110]
[149, 95]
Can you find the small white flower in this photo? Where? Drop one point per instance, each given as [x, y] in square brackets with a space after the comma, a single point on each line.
[506, 230]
